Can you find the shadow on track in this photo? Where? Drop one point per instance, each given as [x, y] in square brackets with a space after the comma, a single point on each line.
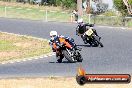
[84, 45]
[67, 62]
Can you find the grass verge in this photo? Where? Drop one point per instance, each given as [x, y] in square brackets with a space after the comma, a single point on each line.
[50, 13]
[33, 12]
[14, 47]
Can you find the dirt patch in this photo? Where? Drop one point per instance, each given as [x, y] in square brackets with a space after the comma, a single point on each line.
[23, 44]
[9, 54]
[59, 82]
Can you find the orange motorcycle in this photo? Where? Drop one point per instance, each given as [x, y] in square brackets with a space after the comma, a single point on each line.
[66, 50]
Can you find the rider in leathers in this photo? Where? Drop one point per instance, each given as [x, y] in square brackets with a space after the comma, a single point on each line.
[82, 28]
[55, 39]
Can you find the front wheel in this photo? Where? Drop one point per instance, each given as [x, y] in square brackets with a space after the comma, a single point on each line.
[98, 40]
[59, 57]
[79, 57]
[68, 56]
[101, 44]
[59, 60]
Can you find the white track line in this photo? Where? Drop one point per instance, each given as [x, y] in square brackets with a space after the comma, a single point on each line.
[113, 27]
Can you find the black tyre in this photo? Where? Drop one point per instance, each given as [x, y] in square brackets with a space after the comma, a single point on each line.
[98, 41]
[79, 57]
[68, 57]
[101, 44]
[59, 60]
[95, 44]
[81, 80]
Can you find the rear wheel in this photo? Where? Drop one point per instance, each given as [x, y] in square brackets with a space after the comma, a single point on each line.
[68, 57]
[95, 44]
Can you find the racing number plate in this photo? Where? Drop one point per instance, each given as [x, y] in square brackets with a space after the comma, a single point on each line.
[89, 32]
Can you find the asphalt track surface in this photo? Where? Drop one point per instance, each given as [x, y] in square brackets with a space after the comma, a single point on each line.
[114, 57]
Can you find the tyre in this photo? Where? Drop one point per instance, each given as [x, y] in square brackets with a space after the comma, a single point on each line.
[68, 57]
[101, 44]
[95, 44]
[98, 41]
[79, 57]
[59, 60]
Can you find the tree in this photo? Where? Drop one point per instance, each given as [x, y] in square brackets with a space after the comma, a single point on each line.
[66, 3]
[79, 7]
[98, 8]
[88, 6]
[122, 7]
[101, 7]
[119, 4]
[128, 3]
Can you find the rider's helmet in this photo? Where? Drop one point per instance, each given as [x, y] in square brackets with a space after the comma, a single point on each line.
[80, 20]
[53, 34]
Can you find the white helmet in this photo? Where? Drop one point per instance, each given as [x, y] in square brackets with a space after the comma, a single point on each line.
[80, 20]
[53, 33]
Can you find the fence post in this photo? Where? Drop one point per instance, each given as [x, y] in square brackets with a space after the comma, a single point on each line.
[46, 16]
[94, 18]
[89, 18]
[123, 21]
[71, 18]
[5, 11]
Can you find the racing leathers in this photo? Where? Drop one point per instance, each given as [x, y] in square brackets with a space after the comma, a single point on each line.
[57, 41]
[82, 28]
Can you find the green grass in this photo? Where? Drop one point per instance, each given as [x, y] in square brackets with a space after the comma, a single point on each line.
[112, 21]
[58, 16]
[6, 45]
[2, 11]
[33, 14]
[19, 47]
[36, 14]
[129, 23]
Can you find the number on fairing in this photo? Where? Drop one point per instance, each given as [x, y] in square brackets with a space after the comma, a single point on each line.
[89, 32]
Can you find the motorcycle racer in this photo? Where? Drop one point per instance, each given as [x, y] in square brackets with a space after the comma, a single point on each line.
[57, 40]
[82, 28]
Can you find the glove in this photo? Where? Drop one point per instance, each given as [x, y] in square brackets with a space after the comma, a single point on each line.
[72, 40]
[57, 47]
[91, 25]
